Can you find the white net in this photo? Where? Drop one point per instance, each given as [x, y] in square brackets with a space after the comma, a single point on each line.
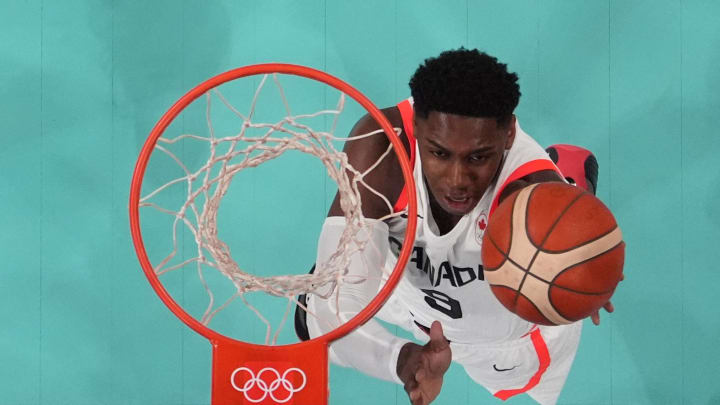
[205, 185]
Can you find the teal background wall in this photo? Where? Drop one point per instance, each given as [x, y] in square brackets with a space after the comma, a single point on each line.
[83, 81]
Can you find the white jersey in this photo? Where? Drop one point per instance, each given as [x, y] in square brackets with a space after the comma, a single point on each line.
[443, 279]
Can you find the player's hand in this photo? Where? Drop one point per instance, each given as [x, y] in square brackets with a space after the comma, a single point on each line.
[421, 368]
[609, 307]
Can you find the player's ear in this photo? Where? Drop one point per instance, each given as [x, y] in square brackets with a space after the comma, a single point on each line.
[510, 128]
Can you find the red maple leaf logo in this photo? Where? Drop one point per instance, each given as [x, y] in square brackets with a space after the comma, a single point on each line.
[482, 224]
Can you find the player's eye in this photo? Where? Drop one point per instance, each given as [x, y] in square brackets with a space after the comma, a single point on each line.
[439, 153]
[477, 158]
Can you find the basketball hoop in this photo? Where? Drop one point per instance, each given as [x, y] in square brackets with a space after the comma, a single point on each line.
[246, 372]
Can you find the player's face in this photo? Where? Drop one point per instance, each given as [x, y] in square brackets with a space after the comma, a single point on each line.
[460, 157]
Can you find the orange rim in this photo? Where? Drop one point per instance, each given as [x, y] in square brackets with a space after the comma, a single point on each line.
[269, 68]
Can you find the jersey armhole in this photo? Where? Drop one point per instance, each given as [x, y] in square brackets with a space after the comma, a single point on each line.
[406, 112]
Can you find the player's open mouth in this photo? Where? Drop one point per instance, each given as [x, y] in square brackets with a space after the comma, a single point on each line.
[459, 203]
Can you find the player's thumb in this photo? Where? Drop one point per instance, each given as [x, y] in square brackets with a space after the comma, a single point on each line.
[438, 341]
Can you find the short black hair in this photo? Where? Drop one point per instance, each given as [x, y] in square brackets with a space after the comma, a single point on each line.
[465, 82]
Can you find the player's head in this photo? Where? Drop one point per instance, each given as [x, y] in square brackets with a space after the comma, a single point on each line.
[464, 102]
[465, 82]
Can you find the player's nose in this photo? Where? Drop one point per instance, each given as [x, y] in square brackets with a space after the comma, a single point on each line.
[457, 178]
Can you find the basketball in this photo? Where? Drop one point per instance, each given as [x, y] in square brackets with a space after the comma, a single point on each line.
[553, 253]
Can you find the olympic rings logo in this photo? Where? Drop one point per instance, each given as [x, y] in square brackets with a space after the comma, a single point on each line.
[268, 389]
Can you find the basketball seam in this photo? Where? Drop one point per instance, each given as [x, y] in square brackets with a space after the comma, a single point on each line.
[587, 242]
[557, 220]
[506, 255]
[508, 288]
[552, 227]
[578, 292]
[552, 283]
[508, 259]
[561, 313]
[518, 294]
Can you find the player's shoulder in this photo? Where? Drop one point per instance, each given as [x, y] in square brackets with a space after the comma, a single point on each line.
[525, 144]
[524, 149]
[364, 153]
[379, 144]
[368, 124]
[526, 163]
[393, 115]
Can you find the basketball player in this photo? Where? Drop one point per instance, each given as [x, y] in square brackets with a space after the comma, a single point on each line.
[469, 153]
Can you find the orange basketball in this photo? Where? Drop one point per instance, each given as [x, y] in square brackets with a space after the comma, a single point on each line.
[553, 253]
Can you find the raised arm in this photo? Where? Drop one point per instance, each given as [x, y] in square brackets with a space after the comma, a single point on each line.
[370, 349]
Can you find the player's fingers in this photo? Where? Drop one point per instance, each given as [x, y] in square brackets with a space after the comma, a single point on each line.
[411, 386]
[438, 342]
[595, 317]
[609, 307]
[416, 397]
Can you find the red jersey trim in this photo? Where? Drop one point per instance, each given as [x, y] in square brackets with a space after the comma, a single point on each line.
[406, 113]
[522, 171]
[544, 358]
